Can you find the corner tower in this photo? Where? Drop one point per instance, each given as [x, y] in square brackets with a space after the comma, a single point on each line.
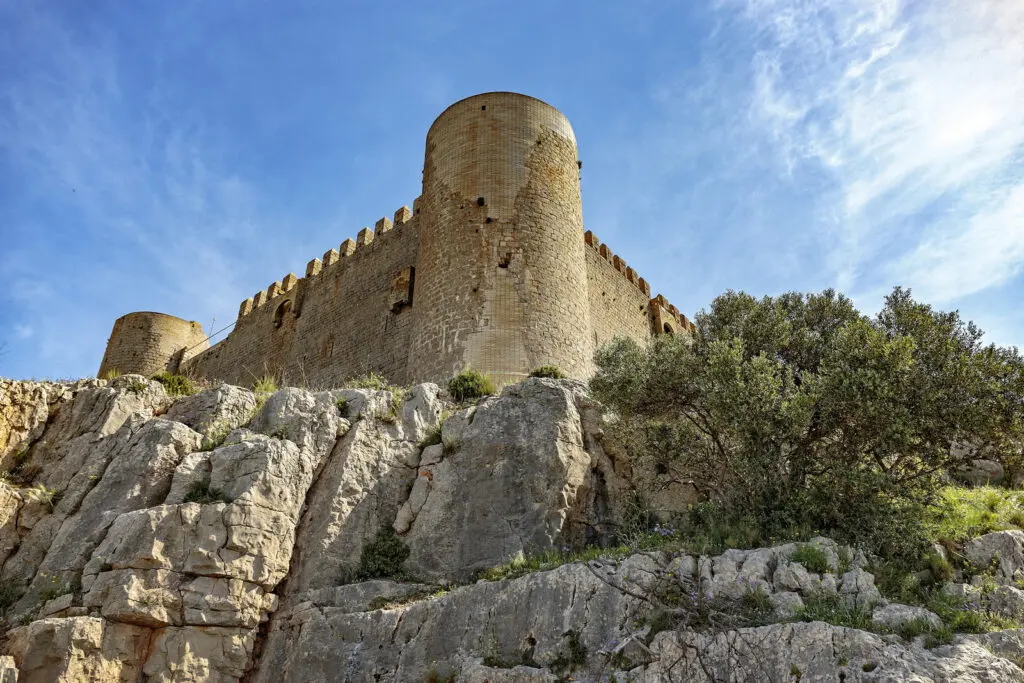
[501, 280]
[146, 343]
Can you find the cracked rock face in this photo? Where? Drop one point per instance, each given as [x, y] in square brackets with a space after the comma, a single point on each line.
[145, 538]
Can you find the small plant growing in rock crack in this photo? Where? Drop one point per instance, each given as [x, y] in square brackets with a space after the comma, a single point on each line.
[469, 385]
[342, 405]
[831, 610]
[53, 589]
[175, 385]
[137, 387]
[201, 492]
[432, 437]
[382, 557]
[435, 676]
[267, 384]
[9, 594]
[216, 435]
[372, 381]
[813, 558]
[393, 411]
[573, 657]
[550, 371]
[44, 496]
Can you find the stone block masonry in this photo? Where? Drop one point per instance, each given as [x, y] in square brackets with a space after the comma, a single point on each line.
[491, 269]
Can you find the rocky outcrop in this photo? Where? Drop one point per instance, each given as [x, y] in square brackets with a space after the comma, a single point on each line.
[219, 537]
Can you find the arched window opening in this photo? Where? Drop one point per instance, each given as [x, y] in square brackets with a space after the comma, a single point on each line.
[281, 312]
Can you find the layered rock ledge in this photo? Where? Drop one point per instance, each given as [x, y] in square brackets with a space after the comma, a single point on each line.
[218, 537]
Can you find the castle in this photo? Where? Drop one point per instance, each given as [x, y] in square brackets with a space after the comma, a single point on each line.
[491, 269]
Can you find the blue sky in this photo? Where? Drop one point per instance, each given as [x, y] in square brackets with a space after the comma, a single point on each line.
[178, 157]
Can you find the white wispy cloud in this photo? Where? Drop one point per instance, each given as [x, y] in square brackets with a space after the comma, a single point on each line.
[916, 111]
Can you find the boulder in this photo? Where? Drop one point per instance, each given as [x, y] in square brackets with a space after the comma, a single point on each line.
[513, 483]
[1001, 551]
[895, 616]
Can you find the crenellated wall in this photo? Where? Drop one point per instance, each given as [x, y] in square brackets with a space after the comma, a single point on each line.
[620, 300]
[349, 315]
[491, 269]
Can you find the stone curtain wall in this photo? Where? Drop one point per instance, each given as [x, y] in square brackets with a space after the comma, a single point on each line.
[147, 343]
[618, 307]
[491, 270]
[337, 322]
[501, 277]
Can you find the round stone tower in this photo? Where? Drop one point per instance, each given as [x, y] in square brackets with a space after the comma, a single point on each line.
[501, 282]
[146, 343]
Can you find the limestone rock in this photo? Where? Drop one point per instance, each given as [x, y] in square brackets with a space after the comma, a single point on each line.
[25, 408]
[981, 472]
[786, 604]
[81, 649]
[1001, 550]
[816, 652]
[8, 669]
[513, 485]
[216, 411]
[895, 616]
[209, 654]
[858, 590]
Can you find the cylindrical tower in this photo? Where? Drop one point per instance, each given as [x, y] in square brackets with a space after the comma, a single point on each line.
[501, 283]
[146, 343]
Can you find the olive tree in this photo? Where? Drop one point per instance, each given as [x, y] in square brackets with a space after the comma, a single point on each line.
[799, 412]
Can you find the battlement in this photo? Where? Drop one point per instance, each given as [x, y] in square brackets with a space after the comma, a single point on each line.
[618, 263]
[665, 316]
[383, 228]
[486, 270]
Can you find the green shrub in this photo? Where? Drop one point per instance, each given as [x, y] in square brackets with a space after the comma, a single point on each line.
[218, 432]
[370, 380]
[342, 404]
[432, 436]
[548, 371]
[267, 384]
[469, 385]
[831, 610]
[798, 412]
[176, 385]
[383, 556]
[9, 594]
[811, 557]
[201, 492]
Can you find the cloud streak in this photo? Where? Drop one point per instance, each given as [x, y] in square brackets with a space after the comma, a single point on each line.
[914, 111]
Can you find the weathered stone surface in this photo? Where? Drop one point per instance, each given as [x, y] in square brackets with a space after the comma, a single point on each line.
[80, 649]
[246, 587]
[1002, 551]
[521, 621]
[512, 484]
[362, 484]
[819, 652]
[207, 654]
[215, 411]
[858, 590]
[308, 420]
[981, 473]
[8, 669]
[25, 408]
[895, 616]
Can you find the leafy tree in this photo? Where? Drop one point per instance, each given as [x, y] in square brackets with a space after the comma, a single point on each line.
[801, 413]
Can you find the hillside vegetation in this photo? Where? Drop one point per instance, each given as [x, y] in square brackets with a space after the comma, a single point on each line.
[798, 414]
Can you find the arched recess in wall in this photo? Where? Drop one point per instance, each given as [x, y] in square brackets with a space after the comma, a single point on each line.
[668, 329]
[282, 310]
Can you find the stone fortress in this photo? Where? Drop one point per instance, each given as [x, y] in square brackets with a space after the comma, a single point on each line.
[491, 269]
